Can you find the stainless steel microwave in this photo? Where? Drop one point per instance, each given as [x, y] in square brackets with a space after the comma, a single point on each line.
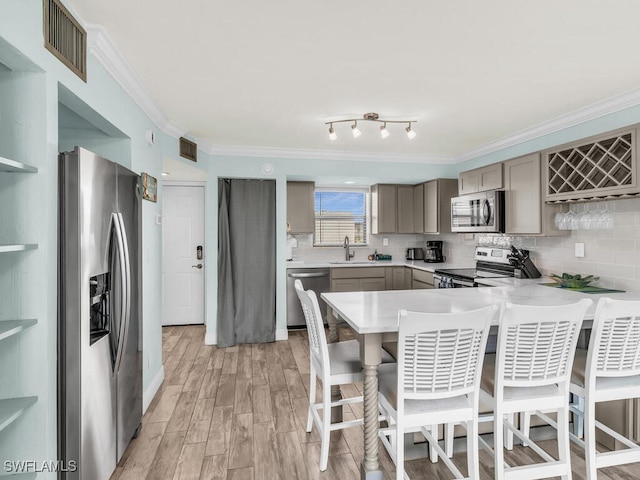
[478, 212]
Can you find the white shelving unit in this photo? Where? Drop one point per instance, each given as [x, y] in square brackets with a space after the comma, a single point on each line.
[19, 476]
[19, 247]
[7, 165]
[13, 327]
[11, 409]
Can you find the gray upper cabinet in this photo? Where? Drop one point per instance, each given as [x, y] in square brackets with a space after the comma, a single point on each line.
[437, 196]
[418, 208]
[405, 209]
[480, 179]
[384, 208]
[525, 211]
[300, 217]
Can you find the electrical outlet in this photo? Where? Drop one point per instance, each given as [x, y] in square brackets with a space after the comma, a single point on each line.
[385, 242]
[579, 250]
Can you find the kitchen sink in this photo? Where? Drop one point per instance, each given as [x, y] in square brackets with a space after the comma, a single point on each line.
[344, 262]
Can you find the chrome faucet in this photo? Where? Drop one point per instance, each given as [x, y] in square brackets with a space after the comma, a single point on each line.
[348, 255]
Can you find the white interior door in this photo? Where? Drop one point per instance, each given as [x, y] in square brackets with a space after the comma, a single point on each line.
[183, 271]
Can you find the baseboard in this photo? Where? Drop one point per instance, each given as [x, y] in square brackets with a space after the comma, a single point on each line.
[211, 339]
[152, 389]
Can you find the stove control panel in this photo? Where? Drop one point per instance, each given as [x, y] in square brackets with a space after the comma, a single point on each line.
[492, 254]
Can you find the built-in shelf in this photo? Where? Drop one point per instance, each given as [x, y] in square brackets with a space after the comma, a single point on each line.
[12, 408]
[18, 247]
[19, 476]
[12, 327]
[7, 165]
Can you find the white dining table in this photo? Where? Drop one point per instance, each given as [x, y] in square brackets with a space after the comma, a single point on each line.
[374, 316]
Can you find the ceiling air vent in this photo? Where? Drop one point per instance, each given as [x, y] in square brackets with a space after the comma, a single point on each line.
[65, 38]
[188, 149]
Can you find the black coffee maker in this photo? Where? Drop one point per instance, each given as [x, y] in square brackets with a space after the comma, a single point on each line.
[433, 252]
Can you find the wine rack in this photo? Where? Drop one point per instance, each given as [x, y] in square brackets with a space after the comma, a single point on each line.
[597, 168]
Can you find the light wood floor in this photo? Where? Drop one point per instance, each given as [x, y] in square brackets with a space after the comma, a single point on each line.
[239, 413]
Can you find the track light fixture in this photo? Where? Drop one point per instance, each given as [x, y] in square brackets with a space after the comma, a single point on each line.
[371, 117]
[384, 133]
[355, 130]
[332, 133]
[410, 132]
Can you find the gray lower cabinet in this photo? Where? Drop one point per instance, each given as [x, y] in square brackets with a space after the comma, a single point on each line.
[421, 279]
[358, 279]
[398, 278]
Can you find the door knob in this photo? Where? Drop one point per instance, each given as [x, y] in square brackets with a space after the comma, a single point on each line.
[198, 266]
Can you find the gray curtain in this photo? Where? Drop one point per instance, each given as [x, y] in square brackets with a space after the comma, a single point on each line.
[246, 261]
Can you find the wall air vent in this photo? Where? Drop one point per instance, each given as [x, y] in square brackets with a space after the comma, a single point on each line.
[188, 149]
[65, 37]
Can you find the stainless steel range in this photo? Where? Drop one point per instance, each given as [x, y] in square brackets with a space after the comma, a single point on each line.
[491, 262]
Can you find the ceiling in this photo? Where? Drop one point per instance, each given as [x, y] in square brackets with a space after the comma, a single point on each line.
[270, 74]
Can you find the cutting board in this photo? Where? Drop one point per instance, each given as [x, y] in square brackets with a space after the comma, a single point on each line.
[587, 289]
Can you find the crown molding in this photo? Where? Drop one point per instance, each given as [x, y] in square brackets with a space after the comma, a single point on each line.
[312, 154]
[101, 46]
[582, 115]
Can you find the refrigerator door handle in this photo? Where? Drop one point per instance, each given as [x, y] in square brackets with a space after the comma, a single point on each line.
[125, 276]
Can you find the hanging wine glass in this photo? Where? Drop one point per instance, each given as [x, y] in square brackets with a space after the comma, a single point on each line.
[574, 220]
[586, 218]
[558, 220]
[605, 219]
[567, 221]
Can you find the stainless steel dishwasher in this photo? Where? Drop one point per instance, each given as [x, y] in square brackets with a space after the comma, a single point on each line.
[316, 279]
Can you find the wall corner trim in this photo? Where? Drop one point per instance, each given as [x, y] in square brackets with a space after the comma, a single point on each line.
[282, 334]
[211, 339]
[152, 389]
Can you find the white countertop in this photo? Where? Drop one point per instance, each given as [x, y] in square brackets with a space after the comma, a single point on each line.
[377, 312]
[418, 264]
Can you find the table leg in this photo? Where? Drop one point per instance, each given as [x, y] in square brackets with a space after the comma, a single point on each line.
[370, 346]
[333, 337]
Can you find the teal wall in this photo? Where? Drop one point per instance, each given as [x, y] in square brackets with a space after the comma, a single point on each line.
[29, 132]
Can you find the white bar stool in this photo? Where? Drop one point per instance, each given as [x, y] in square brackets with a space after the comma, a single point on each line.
[608, 370]
[436, 380]
[535, 350]
[333, 364]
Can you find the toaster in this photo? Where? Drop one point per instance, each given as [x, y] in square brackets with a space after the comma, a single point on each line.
[416, 253]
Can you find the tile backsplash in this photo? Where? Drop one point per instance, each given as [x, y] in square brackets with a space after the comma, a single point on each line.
[456, 247]
[613, 255]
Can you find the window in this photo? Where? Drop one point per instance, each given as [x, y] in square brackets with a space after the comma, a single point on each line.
[339, 214]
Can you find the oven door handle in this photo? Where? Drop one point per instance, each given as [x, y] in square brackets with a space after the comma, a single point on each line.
[463, 283]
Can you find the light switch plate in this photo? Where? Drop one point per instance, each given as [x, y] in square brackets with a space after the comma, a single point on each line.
[385, 242]
[579, 249]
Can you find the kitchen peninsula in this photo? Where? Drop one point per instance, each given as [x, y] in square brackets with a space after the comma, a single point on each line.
[374, 315]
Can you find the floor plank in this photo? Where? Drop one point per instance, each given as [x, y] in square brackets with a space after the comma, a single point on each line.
[241, 447]
[240, 413]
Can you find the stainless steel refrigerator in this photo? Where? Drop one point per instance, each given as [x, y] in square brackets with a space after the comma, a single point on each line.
[99, 314]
